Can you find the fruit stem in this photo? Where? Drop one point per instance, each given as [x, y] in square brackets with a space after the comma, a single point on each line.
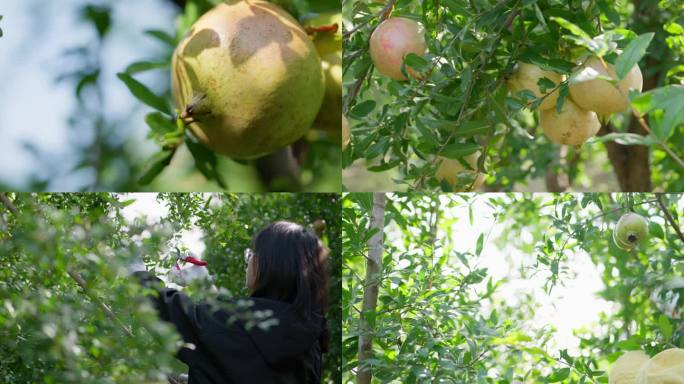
[193, 109]
[668, 216]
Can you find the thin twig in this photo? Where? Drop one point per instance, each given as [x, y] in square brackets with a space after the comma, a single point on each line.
[8, 203]
[108, 311]
[668, 216]
[384, 13]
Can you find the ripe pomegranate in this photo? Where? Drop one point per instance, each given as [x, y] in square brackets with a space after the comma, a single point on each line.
[391, 41]
[449, 170]
[573, 126]
[527, 76]
[601, 96]
[247, 79]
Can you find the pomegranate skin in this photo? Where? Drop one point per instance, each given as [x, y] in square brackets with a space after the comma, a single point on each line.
[247, 79]
[391, 41]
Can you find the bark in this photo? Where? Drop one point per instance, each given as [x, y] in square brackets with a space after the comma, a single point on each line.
[556, 179]
[372, 286]
[631, 162]
[433, 240]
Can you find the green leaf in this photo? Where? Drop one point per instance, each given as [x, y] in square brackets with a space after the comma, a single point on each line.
[538, 13]
[416, 62]
[634, 51]
[655, 230]
[545, 84]
[674, 28]
[100, 16]
[89, 78]
[559, 375]
[472, 128]
[665, 105]
[163, 130]
[563, 92]
[665, 327]
[206, 162]
[479, 245]
[156, 165]
[574, 29]
[362, 109]
[142, 93]
[142, 66]
[610, 13]
[459, 150]
[162, 36]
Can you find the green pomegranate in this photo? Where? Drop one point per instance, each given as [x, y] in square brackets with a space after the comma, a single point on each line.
[247, 79]
[630, 230]
[329, 47]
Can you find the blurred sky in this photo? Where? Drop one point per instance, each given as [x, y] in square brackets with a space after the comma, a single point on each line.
[570, 306]
[146, 206]
[34, 108]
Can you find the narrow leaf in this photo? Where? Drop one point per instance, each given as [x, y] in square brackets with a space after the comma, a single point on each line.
[634, 51]
[142, 93]
[156, 165]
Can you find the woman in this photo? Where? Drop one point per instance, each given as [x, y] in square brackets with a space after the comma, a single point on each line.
[286, 275]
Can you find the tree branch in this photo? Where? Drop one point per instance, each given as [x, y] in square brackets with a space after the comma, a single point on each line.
[108, 311]
[668, 216]
[8, 203]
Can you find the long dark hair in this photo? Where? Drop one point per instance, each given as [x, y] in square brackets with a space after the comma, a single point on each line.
[291, 266]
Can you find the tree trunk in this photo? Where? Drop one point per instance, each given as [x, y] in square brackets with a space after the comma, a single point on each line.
[556, 178]
[372, 285]
[631, 162]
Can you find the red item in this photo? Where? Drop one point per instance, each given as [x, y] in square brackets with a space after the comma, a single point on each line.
[193, 260]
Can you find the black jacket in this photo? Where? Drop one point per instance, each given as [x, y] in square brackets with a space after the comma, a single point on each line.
[226, 353]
